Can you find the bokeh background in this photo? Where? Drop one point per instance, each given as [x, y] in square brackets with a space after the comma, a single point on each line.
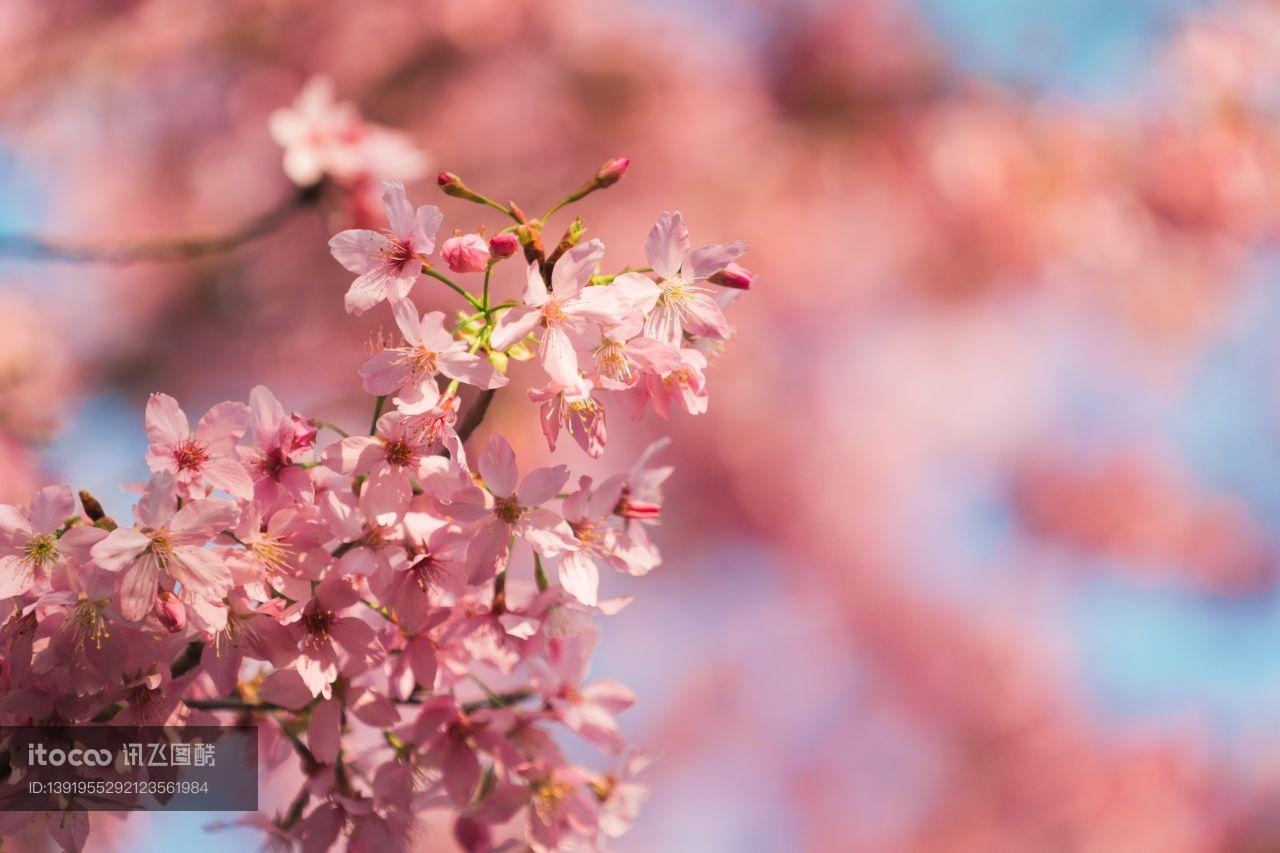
[977, 547]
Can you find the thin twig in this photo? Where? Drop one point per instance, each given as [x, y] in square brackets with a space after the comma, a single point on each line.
[479, 408]
[181, 248]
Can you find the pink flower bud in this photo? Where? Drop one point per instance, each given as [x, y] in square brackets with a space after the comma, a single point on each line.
[632, 508]
[304, 432]
[472, 836]
[504, 245]
[467, 253]
[170, 611]
[448, 181]
[737, 277]
[611, 172]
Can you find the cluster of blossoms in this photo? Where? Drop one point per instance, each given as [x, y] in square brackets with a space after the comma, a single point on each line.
[411, 620]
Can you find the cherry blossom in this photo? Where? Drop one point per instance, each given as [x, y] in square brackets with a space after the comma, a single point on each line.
[166, 548]
[562, 310]
[387, 263]
[685, 306]
[197, 456]
[429, 349]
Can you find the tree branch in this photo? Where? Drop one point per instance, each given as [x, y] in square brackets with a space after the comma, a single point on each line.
[180, 248]
[475, 414]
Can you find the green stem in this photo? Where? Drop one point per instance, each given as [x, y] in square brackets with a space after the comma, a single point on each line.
[326, 425]
[539, 574]
[377, 413]
[475, 303]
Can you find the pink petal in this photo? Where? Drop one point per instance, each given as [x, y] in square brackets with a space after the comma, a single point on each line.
[461, 770]
[230, 476]
[498, 466]
[324, 732]
[709, 259]
[353, 455]
[535, 289]
[358, 250]
[571, 272]
[266, 415]
[384, 373]
[201, 572]
[704, 318]
[559, 359]
[542, 485]
[580, 577]
[427, 224]
[667, 244]
[609, 695]
[285, 688]
[14, 522]
[547, 533]
[16, 576]
[471, 369]
[138, 590]
[663, 325]
[222, 426]
[51, 507]
[367, 291]
[514, 326]
[165, 421]
[386, 492]
[399, 210]
[407, 321]
[121, 547]
[200, 521]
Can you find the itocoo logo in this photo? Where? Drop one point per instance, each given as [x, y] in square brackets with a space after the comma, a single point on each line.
[39, 755]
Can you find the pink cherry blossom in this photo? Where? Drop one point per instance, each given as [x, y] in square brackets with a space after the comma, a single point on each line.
[167, 548]
[273, 447]
[576, 410]
[505, 509]
[330, 641]
[199, 456]
[588, 709]
[563, 312]
[684, 387]
[29, 543]
[322, 137]
[402, 451]
[387, 263]
[684, 305]
[429, 349]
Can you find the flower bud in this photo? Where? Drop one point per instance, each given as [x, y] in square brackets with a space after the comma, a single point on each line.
[504, 245]
[611, 172]
[466, 253]
[472, 835]
[734, 276]
[449, 182]
[171, 612]
[453, 186]
[304, 432]
[92, 508]
[632, 508]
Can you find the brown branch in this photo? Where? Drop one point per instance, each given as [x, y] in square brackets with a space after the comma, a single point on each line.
[479, 408]
[163, 248]
[498, 700]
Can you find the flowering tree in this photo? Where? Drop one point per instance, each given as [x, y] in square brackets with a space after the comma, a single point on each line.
[412, 618]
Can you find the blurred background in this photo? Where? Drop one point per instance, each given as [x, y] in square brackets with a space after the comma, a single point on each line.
[977, 547]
